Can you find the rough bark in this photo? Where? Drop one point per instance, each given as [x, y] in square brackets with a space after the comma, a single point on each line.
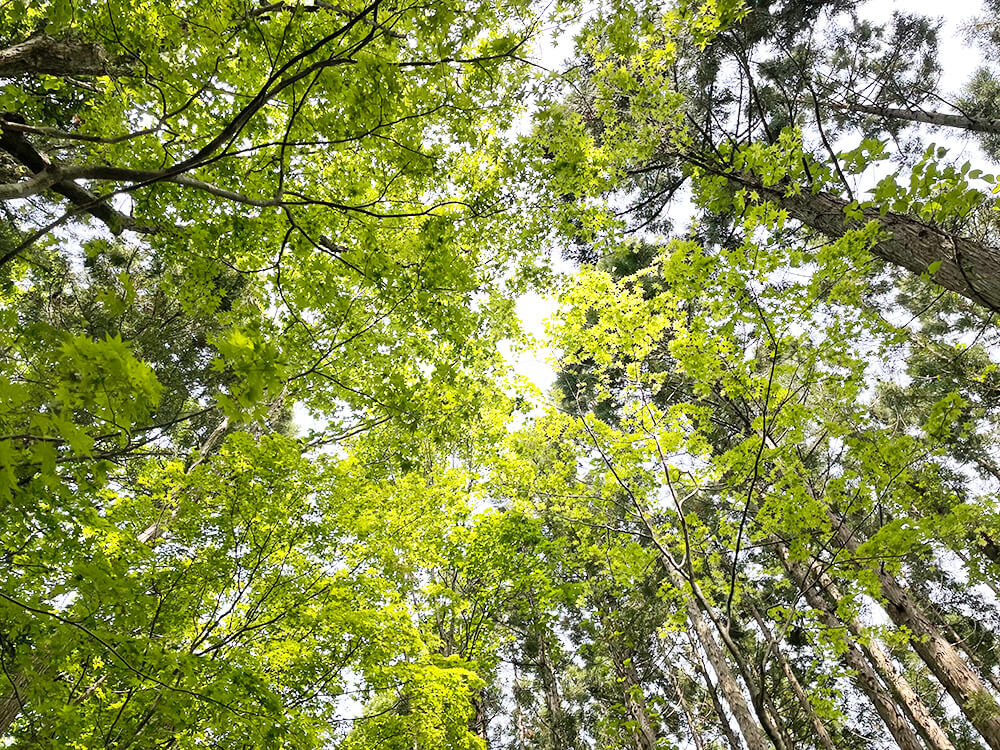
[966, 687]
[45, 55]
[730, 687]
[873, 653]
[906, 697]
[635, 701]
[941, 621]
[925, 724]
[967, 267]
[713, 692]
[12, 704]
[822, 735]
[940, 119]
[852, 658]
[479, 720]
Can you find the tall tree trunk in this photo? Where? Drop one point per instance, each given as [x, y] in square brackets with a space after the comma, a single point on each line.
[479, 721]
[696, 604]
[968, 267]
[699, 743]
[854, 659]
[553, 700]
[966, 687]
[730, 687]
[822, 735]
[941, 119]
[45, 55]
[713, 692]
[13, 703]
[939, 619]
[875, 654]
[635, 701]
[905, 695]
[926, 725]
[520, 731]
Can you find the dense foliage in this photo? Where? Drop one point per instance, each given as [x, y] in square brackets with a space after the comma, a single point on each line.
[267, 481]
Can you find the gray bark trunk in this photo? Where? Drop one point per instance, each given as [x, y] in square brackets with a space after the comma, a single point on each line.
[728, 684]
[968, 268]
[822, 735]
[696, 604]
[925, 724]
[720, 710]
[941, 119]
[939, 619]
[906, 697]
[45, 55]
[966, 687]
[864, 676]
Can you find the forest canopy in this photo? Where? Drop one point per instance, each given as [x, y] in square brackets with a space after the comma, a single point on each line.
[267, 479]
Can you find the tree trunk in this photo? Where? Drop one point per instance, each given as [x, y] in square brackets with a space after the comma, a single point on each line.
[966, 687]
[968, 268]
[479, 721]
[18, 146]
[699, 743]
[696, 604]
[941, 119]
[635, 701]
[853, 659]
[905, 695]
[916, 709]
[731, 690]
[44, 55]
[553, 700]
[710, 685]
[12, 704]
[822, 735]
[939, 619]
